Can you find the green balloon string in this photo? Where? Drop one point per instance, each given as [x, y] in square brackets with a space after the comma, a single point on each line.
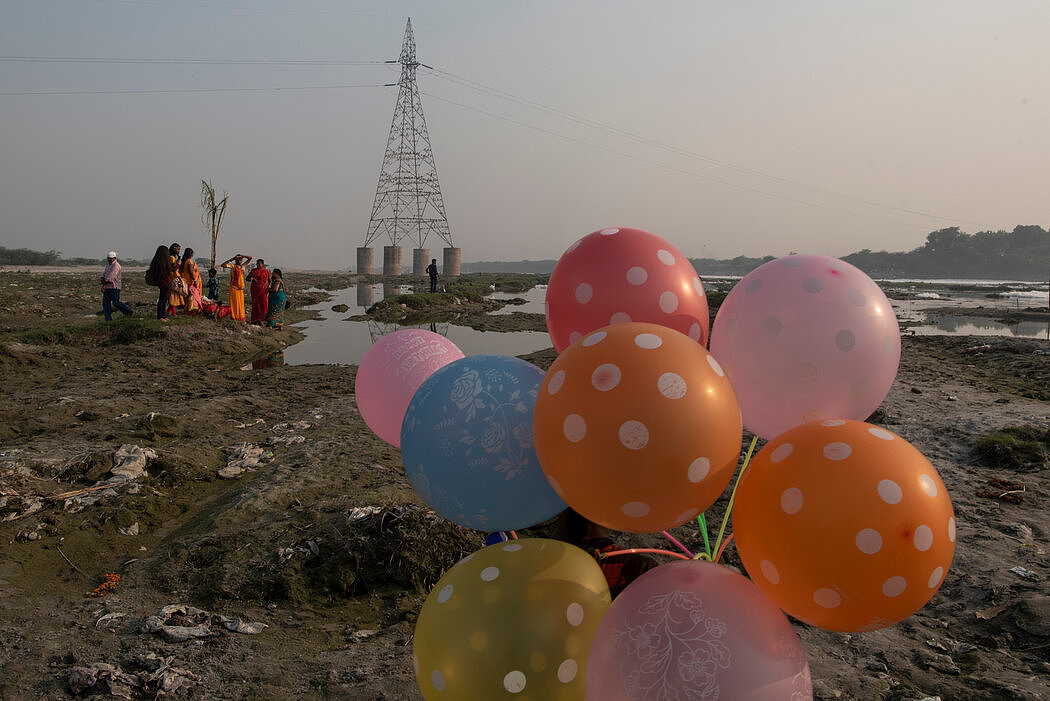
[703, 530]
[732, 498]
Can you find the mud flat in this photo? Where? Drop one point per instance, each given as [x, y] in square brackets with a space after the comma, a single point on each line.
[300, 571]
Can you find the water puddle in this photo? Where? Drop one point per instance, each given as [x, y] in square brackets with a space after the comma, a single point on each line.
[333, 340]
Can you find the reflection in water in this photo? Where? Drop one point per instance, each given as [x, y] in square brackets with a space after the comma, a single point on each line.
[378, 329]
[273, 360]
[335, 340]
[942, 325]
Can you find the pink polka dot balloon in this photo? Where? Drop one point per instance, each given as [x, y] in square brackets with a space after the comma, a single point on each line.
[617, 275]
[844, 525]
[806, 337]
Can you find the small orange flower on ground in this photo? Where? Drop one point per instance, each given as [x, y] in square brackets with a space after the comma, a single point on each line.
[108, 585]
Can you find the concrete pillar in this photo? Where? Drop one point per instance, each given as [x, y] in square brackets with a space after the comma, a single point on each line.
[390, 290]
[365, 261]
[366, 296]
[391, 260]
[420, 261]
[451, 262]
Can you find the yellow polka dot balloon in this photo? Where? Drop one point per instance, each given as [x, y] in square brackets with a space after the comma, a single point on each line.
[844, 525]
[514, 620]
[637, 427]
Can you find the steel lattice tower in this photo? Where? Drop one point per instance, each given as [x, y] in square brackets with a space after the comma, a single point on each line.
[408, 199]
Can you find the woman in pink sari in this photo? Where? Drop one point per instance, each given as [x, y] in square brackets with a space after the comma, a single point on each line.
[191, 275]
[260, 278]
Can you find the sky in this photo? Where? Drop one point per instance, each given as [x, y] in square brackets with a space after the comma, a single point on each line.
[728, 128]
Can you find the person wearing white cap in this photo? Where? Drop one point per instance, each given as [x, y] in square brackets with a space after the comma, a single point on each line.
[111, 288]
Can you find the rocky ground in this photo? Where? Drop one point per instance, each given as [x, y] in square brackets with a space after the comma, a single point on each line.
[268, 545]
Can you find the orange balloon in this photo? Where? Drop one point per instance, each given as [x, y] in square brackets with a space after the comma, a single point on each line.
[637, 427]
[844, 525]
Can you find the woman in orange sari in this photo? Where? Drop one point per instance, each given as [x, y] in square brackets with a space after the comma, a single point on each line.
[236, 267]
[190, 274]
[175, 298]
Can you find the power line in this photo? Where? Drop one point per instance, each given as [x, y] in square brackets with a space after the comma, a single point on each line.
[479, 87]
[496, 92]
[241, 8]
[191, 90]
[189, 61]
[664, 166]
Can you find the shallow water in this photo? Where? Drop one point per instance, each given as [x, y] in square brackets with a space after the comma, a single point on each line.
[334, 341]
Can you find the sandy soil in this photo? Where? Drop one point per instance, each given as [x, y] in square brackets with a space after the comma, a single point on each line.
[321, 538]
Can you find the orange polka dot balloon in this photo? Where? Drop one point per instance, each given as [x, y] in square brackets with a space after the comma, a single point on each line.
[844, 525]
[637, 427]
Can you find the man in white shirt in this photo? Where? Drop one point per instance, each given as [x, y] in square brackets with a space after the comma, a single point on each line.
[111, 288]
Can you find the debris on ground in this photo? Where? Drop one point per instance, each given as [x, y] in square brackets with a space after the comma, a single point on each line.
[110, 621]
[242, 458]
[1005, 490]
[1025, 573]
[178, 623]
[155, 678]
[129, 465]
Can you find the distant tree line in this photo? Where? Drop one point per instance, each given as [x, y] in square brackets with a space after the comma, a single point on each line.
[539, 267]
[1021, 254]
[24, 256]
[741, 265]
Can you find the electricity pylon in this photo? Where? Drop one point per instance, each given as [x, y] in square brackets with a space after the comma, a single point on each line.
[408, 199]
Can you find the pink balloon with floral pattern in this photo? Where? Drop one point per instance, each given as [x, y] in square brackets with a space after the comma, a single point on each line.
[391, 372]
[696, 630]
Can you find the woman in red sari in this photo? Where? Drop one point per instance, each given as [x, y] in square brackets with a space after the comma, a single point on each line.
[235, 266]
[260, 278]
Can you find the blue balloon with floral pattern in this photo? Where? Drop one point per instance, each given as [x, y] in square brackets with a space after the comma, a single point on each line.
[466, 442]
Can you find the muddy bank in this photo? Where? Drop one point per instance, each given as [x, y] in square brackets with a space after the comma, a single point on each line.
[314, 533]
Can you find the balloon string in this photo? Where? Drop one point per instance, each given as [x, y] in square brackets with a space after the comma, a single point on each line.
[732, 497]
[723, 548]
[675, 541]
[703, 529]
[602, 556]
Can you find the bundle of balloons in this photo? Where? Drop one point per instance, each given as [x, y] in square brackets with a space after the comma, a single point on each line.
[638, 427]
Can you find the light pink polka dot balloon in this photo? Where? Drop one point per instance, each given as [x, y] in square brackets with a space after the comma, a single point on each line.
[618, 275]
[803, 338]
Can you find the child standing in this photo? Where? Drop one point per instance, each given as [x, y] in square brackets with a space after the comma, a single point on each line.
[213, 284]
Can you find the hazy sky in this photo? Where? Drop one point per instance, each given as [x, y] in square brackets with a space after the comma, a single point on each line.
[728, 128]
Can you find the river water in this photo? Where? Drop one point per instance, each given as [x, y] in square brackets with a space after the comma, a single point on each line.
[333, 340]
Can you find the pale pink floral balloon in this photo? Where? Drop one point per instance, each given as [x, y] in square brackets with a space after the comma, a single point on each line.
[390, 373]
[696, 630]
[804, 338]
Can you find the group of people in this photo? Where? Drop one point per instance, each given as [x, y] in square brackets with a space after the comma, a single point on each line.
[176, 275]
[267, 292]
